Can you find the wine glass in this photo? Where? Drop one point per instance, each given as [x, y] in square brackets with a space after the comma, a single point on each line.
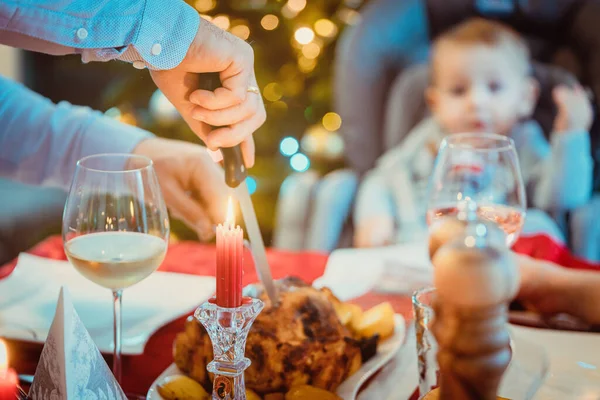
[115, 226]
[481, 168]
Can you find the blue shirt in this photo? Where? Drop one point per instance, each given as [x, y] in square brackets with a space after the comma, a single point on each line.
[40, 142]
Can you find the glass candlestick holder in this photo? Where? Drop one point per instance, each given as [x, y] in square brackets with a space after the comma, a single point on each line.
[228, 330]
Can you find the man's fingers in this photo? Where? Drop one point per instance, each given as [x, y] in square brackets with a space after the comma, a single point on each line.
[230, 136]
[217, 100]
[226, 116]
[188, 210]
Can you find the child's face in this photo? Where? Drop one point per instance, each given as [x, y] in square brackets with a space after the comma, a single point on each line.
[480, 88]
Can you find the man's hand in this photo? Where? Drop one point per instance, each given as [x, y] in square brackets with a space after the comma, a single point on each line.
[574, 109]
[237, 110]
[192, 184]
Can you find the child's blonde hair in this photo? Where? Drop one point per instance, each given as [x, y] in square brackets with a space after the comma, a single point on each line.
[480, 31]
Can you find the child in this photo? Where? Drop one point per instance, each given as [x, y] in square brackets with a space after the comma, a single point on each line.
[480, 82]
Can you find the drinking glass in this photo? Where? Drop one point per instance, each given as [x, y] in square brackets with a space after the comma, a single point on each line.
[115, 226]
[482, 168]
[522, 379]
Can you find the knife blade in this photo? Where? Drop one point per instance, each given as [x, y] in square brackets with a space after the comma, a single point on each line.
[235, 178]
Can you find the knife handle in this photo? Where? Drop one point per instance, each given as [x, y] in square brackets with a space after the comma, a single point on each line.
[233, 162]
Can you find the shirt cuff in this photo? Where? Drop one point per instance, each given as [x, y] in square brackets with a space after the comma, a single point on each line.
[164, 37]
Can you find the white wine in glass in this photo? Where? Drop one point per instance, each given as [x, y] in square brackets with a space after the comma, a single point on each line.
[115, 226]
[482, 168]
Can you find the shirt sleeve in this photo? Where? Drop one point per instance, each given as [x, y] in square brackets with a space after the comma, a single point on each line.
[148, 33]
[557, 175]
[41, 142]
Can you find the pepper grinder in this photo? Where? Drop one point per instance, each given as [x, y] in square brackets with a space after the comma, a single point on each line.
[476, 278]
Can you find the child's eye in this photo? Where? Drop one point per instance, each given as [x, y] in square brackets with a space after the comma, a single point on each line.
[458, 90]
[495, 86]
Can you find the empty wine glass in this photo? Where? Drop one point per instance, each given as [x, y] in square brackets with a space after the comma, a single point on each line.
[482, 168]
[115, 226]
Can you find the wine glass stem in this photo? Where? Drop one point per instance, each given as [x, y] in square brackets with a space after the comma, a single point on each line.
[117, 303]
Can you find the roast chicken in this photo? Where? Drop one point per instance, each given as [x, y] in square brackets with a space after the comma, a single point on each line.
[299, 341]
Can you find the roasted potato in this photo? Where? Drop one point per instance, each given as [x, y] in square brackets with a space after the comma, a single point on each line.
[181, 387]
[307, 392]
[378, 320]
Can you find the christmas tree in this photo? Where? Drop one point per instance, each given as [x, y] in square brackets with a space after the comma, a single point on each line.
[294, 43]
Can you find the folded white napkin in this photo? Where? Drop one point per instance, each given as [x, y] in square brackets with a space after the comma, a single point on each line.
[28, 298]
[400, 269]
[70, 365]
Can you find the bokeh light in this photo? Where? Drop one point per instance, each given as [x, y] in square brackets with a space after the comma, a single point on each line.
[288, 12]
[289, 146]
[241, 31]
[304, 35]
[269, 22]
[205, 5]
[306, 65]
[252, 184]
[332, 121]
[273, 91]
[296, 5]
[206, 17]
[311, 51]
[222, 21]
[299, 162]
[326, 28]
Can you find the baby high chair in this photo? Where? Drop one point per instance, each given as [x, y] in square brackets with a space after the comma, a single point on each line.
[381, 59]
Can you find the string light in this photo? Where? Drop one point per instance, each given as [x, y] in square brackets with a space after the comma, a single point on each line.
[304, 35]
[311, 51]
[289, 146]
[241, 31]
[299, 162]
[288, 12]
[296, 5]
[222, 21]
[279, 106]
[273, 91]
[332, 121]
[205, 5]
[306, 65]
[269, 22]
[326, 28]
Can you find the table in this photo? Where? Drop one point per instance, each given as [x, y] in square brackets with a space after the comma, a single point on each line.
[193, 258]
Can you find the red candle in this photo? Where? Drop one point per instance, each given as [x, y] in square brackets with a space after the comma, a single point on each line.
[8, 376]
[230, 247]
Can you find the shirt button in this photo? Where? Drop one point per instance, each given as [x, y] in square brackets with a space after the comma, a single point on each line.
[82, 33]
[156, 49]
[139, 64]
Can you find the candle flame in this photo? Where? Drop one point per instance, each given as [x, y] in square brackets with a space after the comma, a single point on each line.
[3, 356]
[230, 218]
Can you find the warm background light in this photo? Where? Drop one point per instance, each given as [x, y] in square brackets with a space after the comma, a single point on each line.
[222, 21]
[205, 5]
[296, 5]
[269, 22]
[311, 50]
[332, 121]
[304, 35]
[272, 91]
[241, 31]
[326, 28]
[306, 65]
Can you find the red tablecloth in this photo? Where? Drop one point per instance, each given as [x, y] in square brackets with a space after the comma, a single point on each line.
[193, 258]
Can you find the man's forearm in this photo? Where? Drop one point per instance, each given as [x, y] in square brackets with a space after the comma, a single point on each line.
[40, 142]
